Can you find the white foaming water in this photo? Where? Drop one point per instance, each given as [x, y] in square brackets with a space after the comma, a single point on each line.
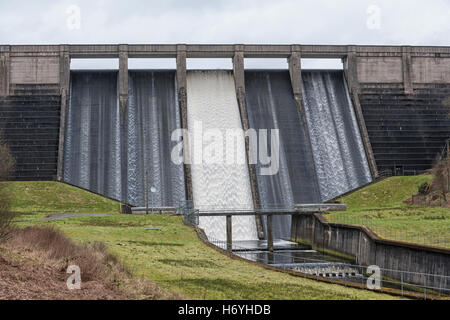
[219, 186]
[152, 116]
[92, 141]
[338, 150]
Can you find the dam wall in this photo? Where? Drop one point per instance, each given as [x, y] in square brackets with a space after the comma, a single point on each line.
[397, 94]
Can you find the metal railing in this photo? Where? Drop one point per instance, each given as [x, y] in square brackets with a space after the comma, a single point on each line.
[389, 233]
[421, 285]
[190, 214]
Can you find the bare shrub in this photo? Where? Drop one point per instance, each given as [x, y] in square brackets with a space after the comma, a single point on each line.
[91, 258]
[47, 239]
[441, 181]
[6, 169]
[94, 260]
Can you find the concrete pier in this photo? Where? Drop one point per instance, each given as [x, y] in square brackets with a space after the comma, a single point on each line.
[407, 71]
[295, 73]
[182, 102]
[239, 80]
[64, 75]
[123, 102]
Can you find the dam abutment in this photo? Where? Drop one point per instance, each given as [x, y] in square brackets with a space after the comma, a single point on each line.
[368, 249]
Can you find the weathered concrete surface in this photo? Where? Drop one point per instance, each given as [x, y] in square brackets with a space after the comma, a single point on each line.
[364, 134]
[430, 70]
[123, 101]
[182, 103]
[239, 81]
[34, 70]
[4, 74]
[380, 69]
[351, 70]
[40, 64]
[64, 75]
[351, 74]
[222, 50]
[368, 249]
[407, 71]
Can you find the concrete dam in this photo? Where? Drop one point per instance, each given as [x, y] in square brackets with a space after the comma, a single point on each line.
[110, 131]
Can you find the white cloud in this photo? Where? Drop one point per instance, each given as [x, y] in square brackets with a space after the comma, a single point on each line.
[413, 22]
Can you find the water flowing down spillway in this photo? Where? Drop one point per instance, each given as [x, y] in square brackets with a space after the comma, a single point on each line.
[338, 150]
[152, 116]
[95, 148]
[92, 156]
[271, 105]
[217, 184]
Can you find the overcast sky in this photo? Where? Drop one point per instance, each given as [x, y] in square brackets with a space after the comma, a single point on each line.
[392, 22]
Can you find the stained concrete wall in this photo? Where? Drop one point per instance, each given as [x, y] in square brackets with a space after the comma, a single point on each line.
[392, 70]
[40, 64]
[3, 76]
[379, 69]
[34, 70]
[368, 249]
[431, 70]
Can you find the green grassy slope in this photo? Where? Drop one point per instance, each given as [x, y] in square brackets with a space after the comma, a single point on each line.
[178, 261]
[381, 207]
[173, 257]
[44, 197]
[388, 193]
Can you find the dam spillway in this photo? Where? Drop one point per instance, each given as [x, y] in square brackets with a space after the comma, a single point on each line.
[152, 116]
[271, 105]
[338, 151]
[92, 156]
[217, 185]
[308, 171]
[93, 146]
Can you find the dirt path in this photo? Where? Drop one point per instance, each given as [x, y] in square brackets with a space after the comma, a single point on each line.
[57, 216]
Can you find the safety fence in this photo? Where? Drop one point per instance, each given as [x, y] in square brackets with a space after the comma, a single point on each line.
[389, 233]
[422, 285]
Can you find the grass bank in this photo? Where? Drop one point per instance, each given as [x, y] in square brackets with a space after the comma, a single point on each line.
[176, 260]
[37, 199]
[381, 206]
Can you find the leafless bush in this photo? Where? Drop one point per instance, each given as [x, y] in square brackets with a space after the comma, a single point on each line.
[441, 181]
[93, 259]
[6, 169]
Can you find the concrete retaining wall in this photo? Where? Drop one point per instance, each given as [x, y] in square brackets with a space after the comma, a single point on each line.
[368, 249]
